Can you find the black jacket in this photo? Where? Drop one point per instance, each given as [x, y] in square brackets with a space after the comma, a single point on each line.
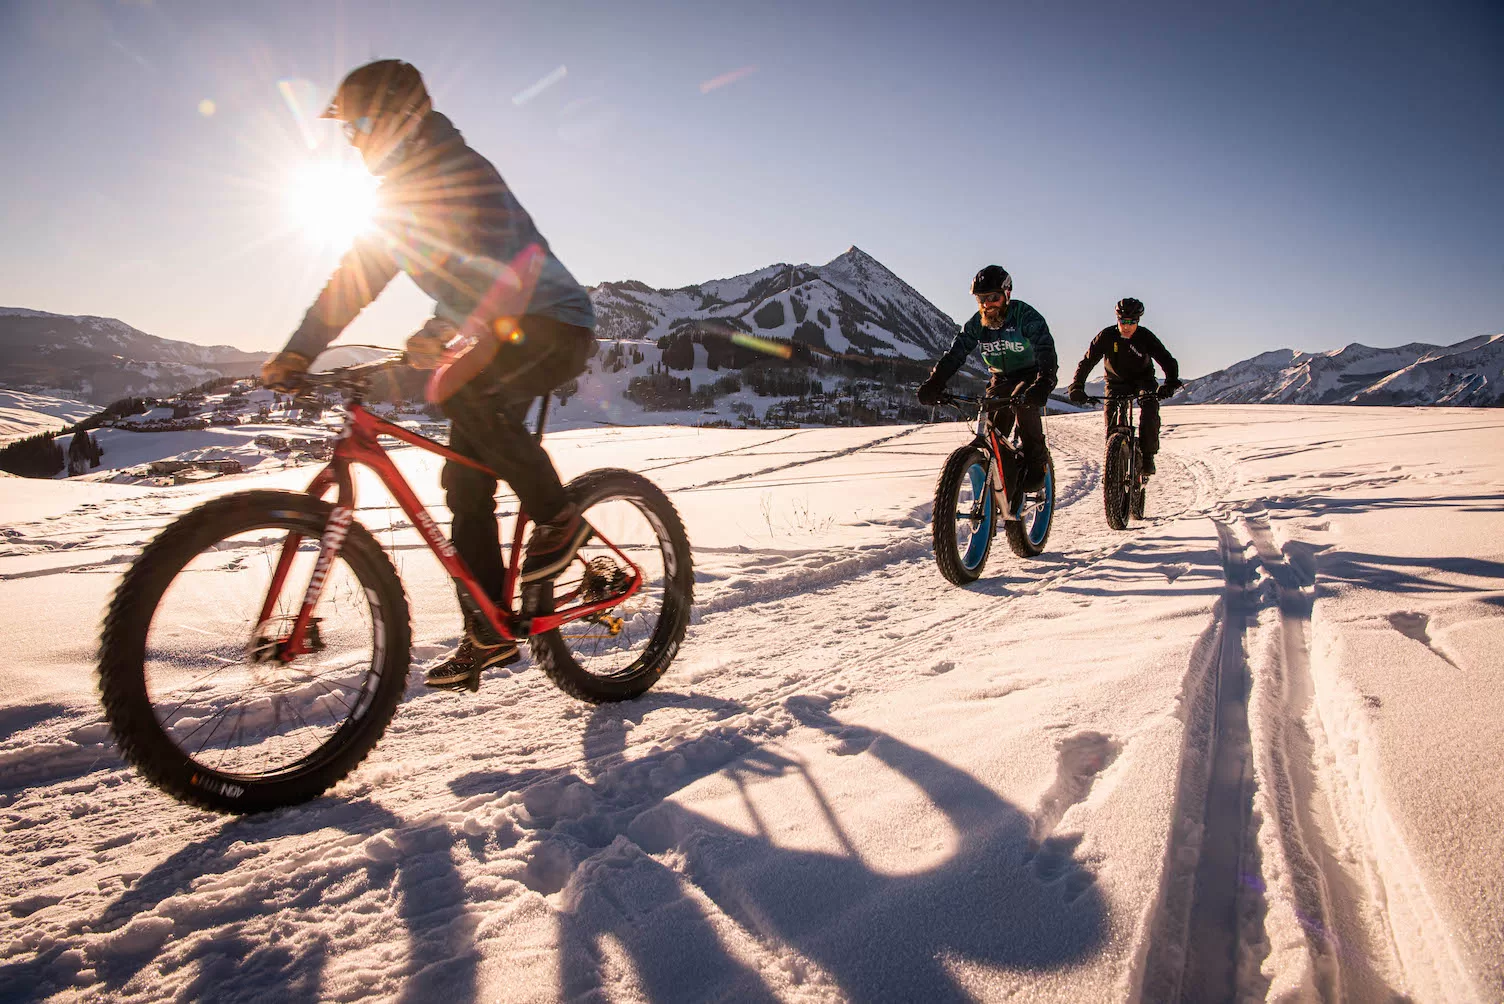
[447, 219]
[1129, 362]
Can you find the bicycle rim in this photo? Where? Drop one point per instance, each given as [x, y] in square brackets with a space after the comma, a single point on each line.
[614, 643]
[215, 686]
[975, 514]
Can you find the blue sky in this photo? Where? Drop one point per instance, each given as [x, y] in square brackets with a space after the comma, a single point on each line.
[1262, 175]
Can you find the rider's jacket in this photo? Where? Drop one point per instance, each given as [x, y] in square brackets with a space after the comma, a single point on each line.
[1129, 362]
[446, 218]
[1022, 347]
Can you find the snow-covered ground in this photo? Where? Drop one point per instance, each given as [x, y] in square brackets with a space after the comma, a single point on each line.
[1263, 726]
[23, 414]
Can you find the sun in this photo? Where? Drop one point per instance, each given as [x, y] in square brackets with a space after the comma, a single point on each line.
[332, 202]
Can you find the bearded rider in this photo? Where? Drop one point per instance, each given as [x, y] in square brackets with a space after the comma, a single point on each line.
[1020, 352]
[447, 219]
[1130, 351]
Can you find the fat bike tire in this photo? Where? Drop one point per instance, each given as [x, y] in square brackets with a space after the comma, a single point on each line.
[1115, 488]
[620, 653]
[153, 626]
[1028, 536]
[965, 481]
[1137, 496]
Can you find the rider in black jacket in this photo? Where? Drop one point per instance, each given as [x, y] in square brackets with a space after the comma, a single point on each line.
[1130, 351]
[448, 220]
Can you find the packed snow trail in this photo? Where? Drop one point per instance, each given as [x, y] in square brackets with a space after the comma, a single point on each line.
[856, 780]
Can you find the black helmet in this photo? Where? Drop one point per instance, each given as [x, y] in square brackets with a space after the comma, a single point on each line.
[385, 87]
[1130, 310]
[992, 279]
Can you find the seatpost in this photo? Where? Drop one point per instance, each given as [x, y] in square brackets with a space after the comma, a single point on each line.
[542, 415]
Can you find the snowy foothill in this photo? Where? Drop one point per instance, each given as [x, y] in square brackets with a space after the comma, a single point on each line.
[1247, 748]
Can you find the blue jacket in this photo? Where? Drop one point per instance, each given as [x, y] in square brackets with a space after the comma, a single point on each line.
[447, 219]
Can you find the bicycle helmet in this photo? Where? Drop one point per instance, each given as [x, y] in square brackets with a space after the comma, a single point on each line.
[375, 90]
[992, 279]
[1130, 310]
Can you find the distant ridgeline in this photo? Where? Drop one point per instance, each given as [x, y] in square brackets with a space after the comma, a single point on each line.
[1467, 374]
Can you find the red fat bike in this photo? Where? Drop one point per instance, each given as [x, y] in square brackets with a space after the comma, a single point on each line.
[257, 648]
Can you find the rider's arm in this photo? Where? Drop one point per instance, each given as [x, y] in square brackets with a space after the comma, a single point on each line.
[1094, 353]
[955, 358]
[1161, 355]
[1045, 357]
[363, 273]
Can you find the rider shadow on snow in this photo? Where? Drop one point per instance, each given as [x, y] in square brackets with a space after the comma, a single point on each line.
[239, 964]
[876, 935]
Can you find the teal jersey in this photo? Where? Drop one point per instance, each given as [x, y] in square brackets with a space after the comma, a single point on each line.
[1023, 344]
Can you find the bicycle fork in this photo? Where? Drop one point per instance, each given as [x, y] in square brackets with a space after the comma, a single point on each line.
[296, 641]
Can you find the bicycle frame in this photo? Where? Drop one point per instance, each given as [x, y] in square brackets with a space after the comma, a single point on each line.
[1007, 462]
[358, 444]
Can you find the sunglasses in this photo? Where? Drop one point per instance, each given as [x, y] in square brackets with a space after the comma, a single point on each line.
[1127, 320]
[990, 298]
[358, 127]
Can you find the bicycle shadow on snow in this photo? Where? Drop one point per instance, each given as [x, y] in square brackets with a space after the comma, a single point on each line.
[999, 900]
[249, 956]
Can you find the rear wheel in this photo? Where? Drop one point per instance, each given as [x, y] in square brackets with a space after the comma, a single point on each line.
[1028, 534]
[618, 653]
[191, 681]
[1115, 481]
[964, 515]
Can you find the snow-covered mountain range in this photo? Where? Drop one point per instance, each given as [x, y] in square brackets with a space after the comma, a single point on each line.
[101, 359]
[1467, 374]
[851, 304]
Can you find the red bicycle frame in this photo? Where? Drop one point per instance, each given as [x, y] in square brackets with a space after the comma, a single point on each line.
[358, 444]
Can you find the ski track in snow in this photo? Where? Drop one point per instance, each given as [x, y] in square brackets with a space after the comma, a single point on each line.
[477, 818]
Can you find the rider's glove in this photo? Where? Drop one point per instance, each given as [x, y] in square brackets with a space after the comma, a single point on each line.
[1036, 396]
[425, 347]
[281, 371]
[1167, 389]
[929, 392]
[1078, 395]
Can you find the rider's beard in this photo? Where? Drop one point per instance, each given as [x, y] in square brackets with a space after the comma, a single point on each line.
[992, 315]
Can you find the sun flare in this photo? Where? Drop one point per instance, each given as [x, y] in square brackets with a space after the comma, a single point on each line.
[332, 202]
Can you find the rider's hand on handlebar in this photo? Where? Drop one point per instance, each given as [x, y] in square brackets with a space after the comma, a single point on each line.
[284, 370]
[1167, 390]
[1078, 396]
[930, 392]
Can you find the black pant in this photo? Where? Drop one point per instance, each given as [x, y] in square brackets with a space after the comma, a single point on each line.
[486, 423]
[1148, 422]
[1028, 421]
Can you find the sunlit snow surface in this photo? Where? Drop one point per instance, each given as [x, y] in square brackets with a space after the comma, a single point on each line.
[856, 781]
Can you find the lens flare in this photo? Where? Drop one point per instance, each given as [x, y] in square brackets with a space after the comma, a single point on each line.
[763, 345]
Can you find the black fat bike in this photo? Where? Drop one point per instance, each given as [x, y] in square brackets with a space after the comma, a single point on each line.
[1124, 484]
[981, 488]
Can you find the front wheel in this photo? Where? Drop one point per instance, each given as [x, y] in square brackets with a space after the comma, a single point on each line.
[1027, 535]
[1115, 481]
[192, 683]
[618, 653]
[963, 516]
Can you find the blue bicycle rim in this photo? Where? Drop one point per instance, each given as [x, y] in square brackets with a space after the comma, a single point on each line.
[974, 548]
[1039, 526]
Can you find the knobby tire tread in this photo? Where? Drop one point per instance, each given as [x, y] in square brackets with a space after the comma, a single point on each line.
[1018, 538]
[1115, 482]
[943, 516]
[550, 650]
[122, 680]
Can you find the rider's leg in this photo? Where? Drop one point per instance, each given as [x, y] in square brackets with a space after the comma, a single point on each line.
[494, 405]
[1031, 436]
[1148, 430]
[471, 496]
